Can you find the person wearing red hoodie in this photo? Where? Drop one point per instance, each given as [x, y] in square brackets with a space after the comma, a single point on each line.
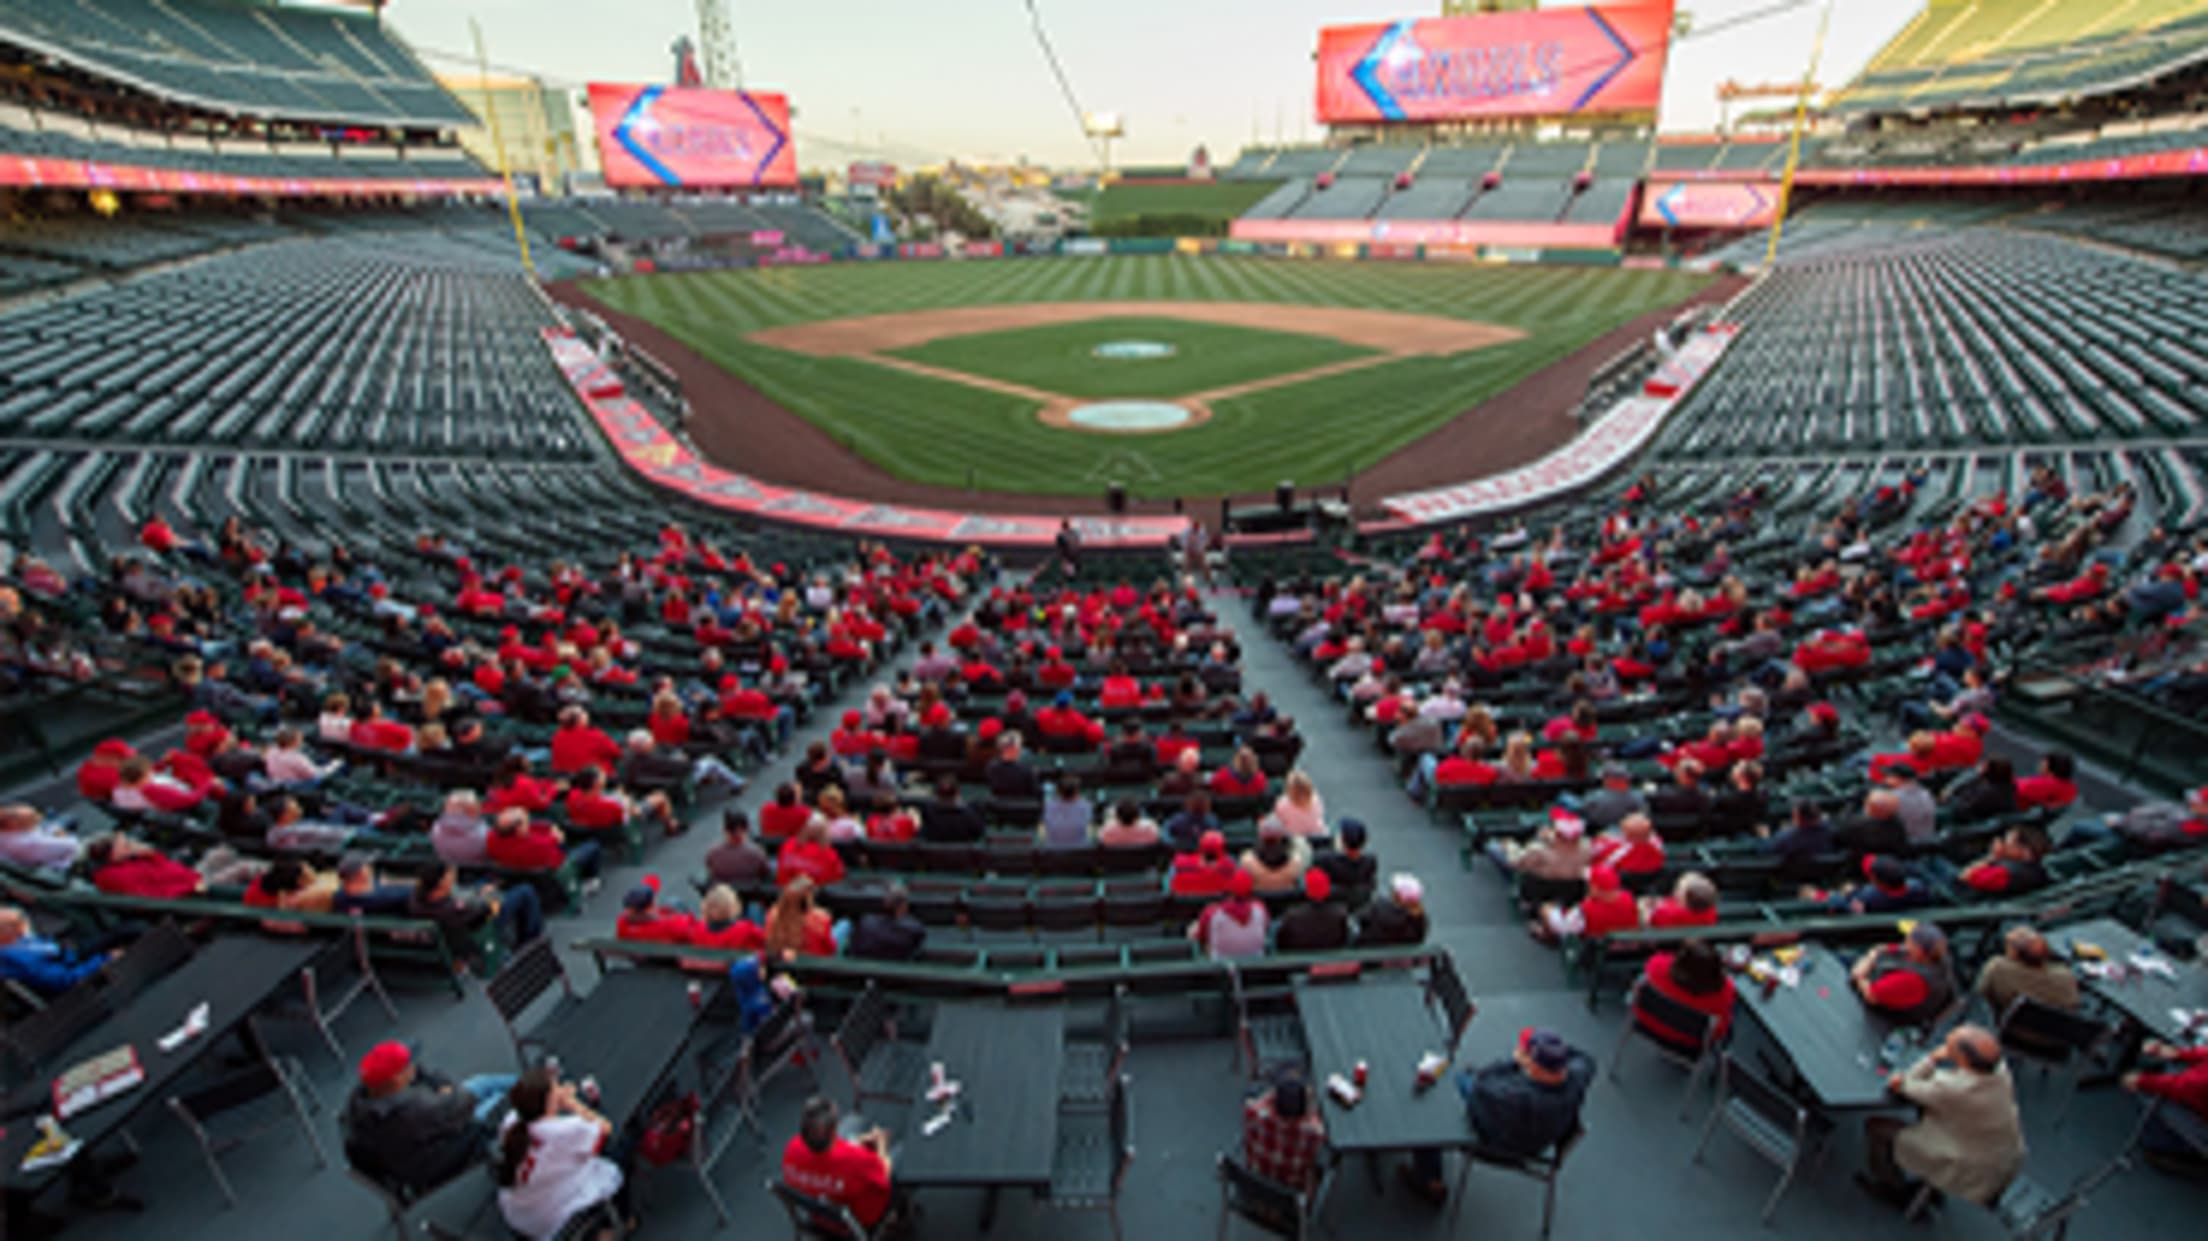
[1607, 907]
[2181, 1082]
[576, 744]
[101, 770]
[645, 920]
[2053, 787]
[809, 853]
[1206, 872]
[786, 815]
[852, 738]
[1633, 849]
[121, 866]
[1062, 721]
[515, 787]
[517, 843]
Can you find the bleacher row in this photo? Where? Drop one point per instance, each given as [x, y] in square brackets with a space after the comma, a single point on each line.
[51, 134]
[1965, 53]
[1873, 332]
[253, 60]
[679, 218]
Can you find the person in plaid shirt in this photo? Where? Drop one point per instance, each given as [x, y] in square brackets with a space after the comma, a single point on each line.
[1282, 1134]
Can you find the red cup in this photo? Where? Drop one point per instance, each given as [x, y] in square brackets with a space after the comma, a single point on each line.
[1360, 1073]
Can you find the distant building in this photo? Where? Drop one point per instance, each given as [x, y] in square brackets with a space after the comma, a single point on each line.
[536, 128]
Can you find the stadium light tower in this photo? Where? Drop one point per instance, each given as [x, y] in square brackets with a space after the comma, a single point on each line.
[717, 39]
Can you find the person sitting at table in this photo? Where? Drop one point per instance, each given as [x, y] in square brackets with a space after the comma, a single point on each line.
[1348, 865]
[2025, 967]
[1066, 814]
[1694, 977]
[409, 1128]
[1606, 907]
[1233, 926]
[1277, 862]
[1126, 827]
[1283, 1135]
[851, 1173]
[1521, 1106]
[890, 933]
[1968, 1140]
[645, 919]
[796, 926]
[1319, 924]
[736, 860]
[41, 964]
[1889, 887]
[1396, 917]
[549, 1165]
[1206, 872]
[1910, 981]
[2182, 1082]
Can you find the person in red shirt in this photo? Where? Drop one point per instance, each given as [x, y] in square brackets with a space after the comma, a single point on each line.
[1243, 776]
[157, 535]
[1119, 689]
[1206, 872]
[1465, 765]
[1910, 981]
[1607, 907]
[591, 807]
[853, 739]
[516, 843]
[851, 1174]
[122, 867]
[98, 774]
[890, 822]
[1692, 902]
[668, 722]
[1962, 746]
[1695, 978]
[376, 731]
[2183, 1083]
[514, 787]
[2052, 787]
[576, 744]
[645, 920]
[1633, 849]
[1063, 721]
[785, 815]
[810, 854]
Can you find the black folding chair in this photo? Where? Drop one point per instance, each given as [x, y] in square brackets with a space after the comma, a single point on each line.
[1545, 1168]
[879, 1065]
[528, 977]
[1699, 1028]
[1771, 1122]
[1263, 1040]
[812, 1219]
[1090, 1068]
[333, 981]
[1267, 1203]
[2054, 1040]
[1094, 1152]
[401, 1201]
[205, 1110]
[1444, 986]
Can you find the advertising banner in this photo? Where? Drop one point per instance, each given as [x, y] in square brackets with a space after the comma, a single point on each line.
[1708, 204]
[871, 173]
[33, 170]
[1431, 233]
[671, 137]
[1546, 62]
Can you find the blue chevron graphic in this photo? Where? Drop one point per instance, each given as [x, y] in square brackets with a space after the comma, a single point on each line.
[640, 111]
[1367, 72]
[780, 139]
[1625, 57]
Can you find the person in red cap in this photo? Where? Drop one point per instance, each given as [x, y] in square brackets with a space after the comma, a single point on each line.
[852, 738]
[407, 1127]
[1232, 927]
[1320, 924]
[1206, 872]
[1607, 907]
[577, 744]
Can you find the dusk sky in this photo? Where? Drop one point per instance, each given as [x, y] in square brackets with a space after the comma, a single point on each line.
[918, 82]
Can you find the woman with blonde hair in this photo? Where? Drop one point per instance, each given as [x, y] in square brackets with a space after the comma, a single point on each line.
[436, 699]
[834, 816]
[1299, 807]
[1518, 761]
[796, 926]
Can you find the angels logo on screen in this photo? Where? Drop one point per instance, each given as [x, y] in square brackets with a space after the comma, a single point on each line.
[675, 137]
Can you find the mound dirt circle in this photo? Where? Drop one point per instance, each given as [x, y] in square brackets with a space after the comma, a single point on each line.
[1124, 417]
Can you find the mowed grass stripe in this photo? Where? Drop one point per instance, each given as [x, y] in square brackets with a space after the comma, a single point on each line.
[1314, 432]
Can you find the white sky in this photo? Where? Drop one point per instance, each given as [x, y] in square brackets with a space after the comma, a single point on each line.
[922, 81]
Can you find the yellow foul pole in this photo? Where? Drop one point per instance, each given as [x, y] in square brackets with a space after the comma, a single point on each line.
[1794, 145]
[498, 148]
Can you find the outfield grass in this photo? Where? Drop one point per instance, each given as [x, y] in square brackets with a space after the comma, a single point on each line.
[1315, 433]
[1060, 358]
[1225, 199]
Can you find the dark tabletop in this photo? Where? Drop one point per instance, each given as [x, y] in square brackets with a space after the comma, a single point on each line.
[626, 1033]
[2145, 998]
[1007, 1060]
[1384, 1022]
[234, 975]
[1826, 1032]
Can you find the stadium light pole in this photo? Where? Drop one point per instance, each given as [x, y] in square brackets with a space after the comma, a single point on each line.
[498, 148]
[1794, 145]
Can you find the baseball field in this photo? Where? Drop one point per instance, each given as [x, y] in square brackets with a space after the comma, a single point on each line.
[1239, 372]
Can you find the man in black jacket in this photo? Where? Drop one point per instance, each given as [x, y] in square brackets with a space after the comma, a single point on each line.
[1521, 1106]
[1319, 924]
[1877, 830]
[949, 821]
[890, 933]
[1010, 778]
[409, 1127]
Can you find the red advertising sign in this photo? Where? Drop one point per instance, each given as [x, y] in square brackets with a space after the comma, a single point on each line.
[872, 172]
[1707, 204]
[1548, 62]
[665, 137]
[34, 170]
